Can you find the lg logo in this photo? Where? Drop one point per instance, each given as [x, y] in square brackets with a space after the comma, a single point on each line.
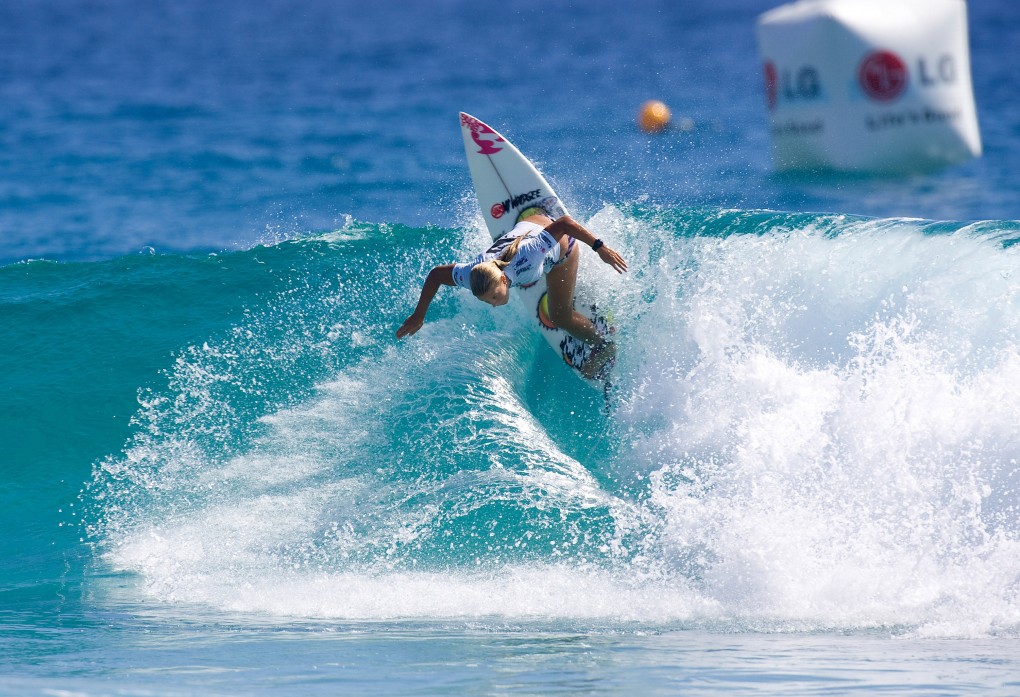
[882, 75]
[802, 84]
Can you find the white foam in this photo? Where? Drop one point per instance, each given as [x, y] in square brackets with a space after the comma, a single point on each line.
[840, 444]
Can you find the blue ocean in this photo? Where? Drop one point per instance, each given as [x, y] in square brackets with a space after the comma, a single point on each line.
[222, 474]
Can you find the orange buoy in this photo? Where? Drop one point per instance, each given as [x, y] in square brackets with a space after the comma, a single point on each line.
[654, 116]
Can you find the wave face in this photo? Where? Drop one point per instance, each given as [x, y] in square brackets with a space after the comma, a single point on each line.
[812, 426]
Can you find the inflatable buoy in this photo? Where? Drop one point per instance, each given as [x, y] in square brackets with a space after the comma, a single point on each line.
[654, 116]
[868, 85]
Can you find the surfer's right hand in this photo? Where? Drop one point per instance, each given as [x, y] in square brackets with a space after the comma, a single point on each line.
[613, 258]
[410, 326]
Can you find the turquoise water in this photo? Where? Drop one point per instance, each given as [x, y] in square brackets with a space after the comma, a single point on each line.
[801, 483]
[222, 474]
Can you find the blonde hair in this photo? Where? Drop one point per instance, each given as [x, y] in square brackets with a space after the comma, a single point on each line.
[487, 274]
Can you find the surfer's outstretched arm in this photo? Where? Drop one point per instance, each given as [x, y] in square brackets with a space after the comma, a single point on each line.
[439, 276]
[566, 225]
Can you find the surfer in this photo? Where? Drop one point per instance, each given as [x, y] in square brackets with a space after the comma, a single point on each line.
[537, 245]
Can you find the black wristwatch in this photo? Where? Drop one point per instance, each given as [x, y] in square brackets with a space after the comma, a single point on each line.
[597, 245]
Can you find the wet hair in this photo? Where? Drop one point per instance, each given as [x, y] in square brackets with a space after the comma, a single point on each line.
[486, 275]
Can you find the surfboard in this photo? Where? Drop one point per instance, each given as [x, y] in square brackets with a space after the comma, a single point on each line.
[509, 189]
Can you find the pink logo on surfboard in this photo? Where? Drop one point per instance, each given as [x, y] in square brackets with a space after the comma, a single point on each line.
[485, 138]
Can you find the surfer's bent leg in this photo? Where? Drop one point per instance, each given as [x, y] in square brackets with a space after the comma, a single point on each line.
[561, 280]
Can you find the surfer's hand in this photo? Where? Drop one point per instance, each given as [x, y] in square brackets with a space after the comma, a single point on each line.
[410, 326]
[612, 257]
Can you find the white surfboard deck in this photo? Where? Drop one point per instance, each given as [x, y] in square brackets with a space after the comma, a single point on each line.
[509, 189]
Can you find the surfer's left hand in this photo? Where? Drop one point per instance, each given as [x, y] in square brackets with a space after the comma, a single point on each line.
[612, 257]
[411, 325]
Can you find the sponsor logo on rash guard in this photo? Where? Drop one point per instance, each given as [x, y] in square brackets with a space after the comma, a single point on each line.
[521, 265]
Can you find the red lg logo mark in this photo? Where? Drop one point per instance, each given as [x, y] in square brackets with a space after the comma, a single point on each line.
[883, 76]
[771, 85]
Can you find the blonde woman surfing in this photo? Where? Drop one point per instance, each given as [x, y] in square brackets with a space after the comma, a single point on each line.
[537, 245]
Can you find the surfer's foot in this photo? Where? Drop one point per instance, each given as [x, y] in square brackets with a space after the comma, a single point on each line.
[601, 360]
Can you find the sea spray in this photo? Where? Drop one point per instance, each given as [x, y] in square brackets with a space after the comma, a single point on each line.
[840, 447]
[811, 427]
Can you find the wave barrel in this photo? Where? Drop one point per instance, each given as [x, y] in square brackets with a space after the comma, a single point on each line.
[869, 85]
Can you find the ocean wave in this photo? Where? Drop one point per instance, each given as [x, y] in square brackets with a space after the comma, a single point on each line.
[812, 426]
